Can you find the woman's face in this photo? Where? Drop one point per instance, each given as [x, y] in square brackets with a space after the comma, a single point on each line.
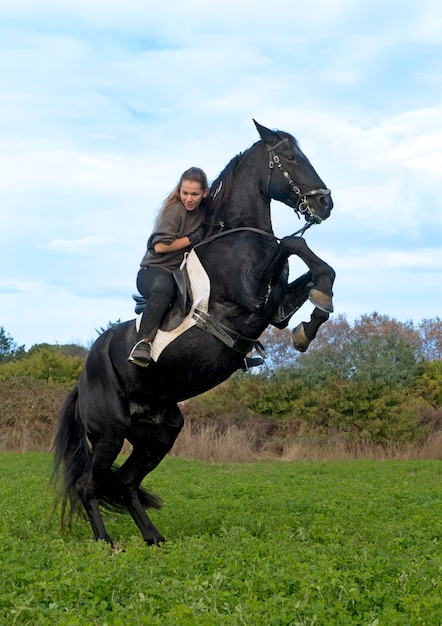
[191, 194]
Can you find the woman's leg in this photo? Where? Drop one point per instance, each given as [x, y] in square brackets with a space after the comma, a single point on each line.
[158, 287]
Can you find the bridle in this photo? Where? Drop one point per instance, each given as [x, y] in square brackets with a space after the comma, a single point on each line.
[302, 206]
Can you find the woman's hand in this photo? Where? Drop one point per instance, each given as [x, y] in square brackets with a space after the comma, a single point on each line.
[196, 236]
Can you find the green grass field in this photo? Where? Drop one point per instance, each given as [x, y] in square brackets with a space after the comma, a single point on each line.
[255, 544]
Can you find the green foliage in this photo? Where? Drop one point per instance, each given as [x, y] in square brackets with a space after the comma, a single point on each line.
[267, 395]
[8, 348]
[68, 349]
[370, 381]
[279, 544]
[45, 362]
[383, 359]
[364, 382]
[364, 413]
[428, 382]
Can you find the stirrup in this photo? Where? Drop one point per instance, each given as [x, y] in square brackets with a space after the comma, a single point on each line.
[252, 361]
[141, 354]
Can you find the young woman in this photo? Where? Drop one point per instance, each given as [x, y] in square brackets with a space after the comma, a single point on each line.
[179, 226]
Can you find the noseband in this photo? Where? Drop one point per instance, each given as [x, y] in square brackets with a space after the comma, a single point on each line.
[302, 205]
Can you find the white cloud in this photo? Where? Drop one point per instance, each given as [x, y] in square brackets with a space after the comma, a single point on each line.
[105, 102]
[418, 260]
[77, 245]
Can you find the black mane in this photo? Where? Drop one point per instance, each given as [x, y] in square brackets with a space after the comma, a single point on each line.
[222, 186]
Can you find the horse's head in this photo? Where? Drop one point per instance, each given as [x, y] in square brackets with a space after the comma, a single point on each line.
[291, 177]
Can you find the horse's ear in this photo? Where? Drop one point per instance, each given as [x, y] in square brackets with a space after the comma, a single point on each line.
[267, 135]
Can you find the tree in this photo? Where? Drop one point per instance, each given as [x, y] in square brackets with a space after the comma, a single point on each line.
[278, 347]
[431, 339]
[110, 325]
[427, 383]
[67, 349]
[8, 348]
[376, 348]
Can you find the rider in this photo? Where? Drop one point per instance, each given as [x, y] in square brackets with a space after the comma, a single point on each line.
[178, 227]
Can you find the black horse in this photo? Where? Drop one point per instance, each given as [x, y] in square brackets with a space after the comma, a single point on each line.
[248, 269]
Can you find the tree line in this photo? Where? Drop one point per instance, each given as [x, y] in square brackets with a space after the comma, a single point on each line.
[374, 380]
[377, 380]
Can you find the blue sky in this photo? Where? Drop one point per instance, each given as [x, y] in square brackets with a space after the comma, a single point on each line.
[105, 102]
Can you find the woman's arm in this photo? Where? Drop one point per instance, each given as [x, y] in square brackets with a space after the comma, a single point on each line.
[178, 244]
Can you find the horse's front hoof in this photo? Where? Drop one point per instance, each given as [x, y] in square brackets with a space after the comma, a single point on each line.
[321, 300]
[300, 340]
[155, 541]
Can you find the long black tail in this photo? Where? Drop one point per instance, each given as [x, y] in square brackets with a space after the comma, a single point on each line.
[72, 457]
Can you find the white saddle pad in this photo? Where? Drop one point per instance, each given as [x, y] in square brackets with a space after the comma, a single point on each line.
[200, 287]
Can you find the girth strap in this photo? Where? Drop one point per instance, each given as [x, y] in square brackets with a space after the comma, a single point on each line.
[229, 337]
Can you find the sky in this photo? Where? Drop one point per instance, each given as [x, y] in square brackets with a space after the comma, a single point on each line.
[103, 103]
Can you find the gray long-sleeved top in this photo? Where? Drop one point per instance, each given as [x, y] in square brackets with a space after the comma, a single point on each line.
[174, 223]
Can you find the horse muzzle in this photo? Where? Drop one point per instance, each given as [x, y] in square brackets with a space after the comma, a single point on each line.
[315, 205]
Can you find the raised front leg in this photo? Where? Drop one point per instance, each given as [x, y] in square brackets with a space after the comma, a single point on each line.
[295, 296]
[323, 276]
[305, 332]
[260, 279]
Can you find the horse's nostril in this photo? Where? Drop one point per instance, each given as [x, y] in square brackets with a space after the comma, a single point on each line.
[326, 202]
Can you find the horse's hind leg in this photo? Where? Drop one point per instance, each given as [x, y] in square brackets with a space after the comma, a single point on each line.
[92, 485]
[146, 455]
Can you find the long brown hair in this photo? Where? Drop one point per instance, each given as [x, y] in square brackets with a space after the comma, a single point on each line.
[194, 174]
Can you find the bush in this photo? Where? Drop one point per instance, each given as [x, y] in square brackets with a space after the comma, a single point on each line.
[44, 362]
[28, 413]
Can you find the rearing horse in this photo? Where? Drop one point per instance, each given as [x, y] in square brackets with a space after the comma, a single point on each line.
[248, 270]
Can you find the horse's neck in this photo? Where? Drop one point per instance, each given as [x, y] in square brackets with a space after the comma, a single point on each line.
[246, 204]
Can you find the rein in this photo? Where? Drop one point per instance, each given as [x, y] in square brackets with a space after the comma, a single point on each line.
[222, 232]
[302, 205]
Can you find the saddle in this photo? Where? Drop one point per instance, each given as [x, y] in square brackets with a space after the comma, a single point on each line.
[190, 308]
[181, 304]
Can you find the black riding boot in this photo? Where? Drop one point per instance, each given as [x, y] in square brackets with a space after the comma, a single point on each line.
[156, 307]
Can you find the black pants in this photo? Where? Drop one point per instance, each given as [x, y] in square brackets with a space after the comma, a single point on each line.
[157, 285]
[155, 280]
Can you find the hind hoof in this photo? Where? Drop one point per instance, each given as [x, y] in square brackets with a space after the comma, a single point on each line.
[321, 300]
[300, 340]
